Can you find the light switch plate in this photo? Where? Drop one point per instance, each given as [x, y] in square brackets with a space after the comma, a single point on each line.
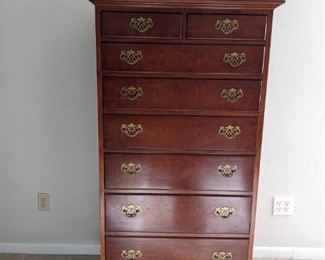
[283, 206]
[43, 201]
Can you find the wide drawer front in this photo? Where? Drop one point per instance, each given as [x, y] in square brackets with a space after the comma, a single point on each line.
[175, 249]
[234, 27]
[141, 25]
[179, 172]
[182, 58]
[178, 214]
[181, 94]
[174, 132]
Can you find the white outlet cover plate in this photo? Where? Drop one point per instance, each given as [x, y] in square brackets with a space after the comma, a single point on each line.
[43, 201]
[283, 206]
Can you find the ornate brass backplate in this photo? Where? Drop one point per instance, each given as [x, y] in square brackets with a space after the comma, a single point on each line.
[131, 254]
[131, 168]
[131, 210]
[224, 212]
[141, 24]
[222, 255]
[227, 26]
[229, 132]
[131, 57]
[131, 92]
[131, 130]
[232, 94]
[235, 59]
[227, 170]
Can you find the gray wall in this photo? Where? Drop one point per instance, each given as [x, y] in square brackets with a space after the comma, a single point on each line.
[48, 133]
[293, 149]
[48, 128]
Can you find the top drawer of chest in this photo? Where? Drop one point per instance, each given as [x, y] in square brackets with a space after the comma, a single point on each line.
[152, 25]
[226, 27]
[141, 25]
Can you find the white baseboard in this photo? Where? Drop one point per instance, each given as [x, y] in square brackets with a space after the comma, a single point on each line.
[296, 253]
[47, 249]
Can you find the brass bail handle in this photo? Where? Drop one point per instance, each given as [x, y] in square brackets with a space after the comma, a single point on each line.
[131, 130]
[141, 24]
[131, 210]
[229, 132]
[131, 168]
[131, 57]
[235, 59]
[222, 255]
[227, 170]
[131, 254]
[227, 26]
[224, 212]
[131, 92]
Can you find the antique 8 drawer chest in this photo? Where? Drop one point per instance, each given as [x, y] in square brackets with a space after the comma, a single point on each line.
[181, 93]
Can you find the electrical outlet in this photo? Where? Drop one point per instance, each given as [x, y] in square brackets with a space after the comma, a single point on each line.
[283, 206]
[44, 201]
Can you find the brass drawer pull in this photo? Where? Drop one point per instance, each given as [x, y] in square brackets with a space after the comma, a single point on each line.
[131, 254]
[131, 130]
[227, 26]
[224, 212]
[227, 170]
[131, 92]
[131, 57]
[141, 24]
[235, 59]
[131, 210]
[222, 256]
[131, 168]
[229, 132]
[232, 95]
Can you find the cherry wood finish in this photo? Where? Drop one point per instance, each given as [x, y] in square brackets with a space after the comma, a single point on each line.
[185, 58]
[177, 235]
[181, 75]
[204, 5]
[178, 214]
[116, 24]
[193, 133]
[203, 26]
[179, 172]
[175, 248]
[181, 94]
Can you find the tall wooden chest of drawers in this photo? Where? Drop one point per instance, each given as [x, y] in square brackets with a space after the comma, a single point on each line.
[181, 94]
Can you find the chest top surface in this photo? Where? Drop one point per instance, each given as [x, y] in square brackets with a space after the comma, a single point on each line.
[246, 4]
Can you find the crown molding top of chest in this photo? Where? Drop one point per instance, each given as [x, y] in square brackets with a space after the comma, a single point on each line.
[206, 4]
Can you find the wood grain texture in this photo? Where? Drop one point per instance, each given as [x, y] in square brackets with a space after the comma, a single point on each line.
[117, 24]
[194, 4]
[182, 58]
[181, 75]
[180, 94]
[175, 249]
[177, 235]
[178, 214]
[178, 192]
[179, 172]
[203, 26]
[180, 133]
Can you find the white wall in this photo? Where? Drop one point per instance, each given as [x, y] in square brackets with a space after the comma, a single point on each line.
[48, 133]
[293, 149]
